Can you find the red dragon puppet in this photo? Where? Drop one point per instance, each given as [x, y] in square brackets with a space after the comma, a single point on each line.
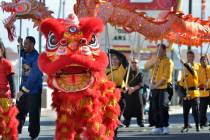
[85, 101]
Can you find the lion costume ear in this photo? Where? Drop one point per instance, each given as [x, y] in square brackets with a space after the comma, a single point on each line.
[56, 26]
[90, 26]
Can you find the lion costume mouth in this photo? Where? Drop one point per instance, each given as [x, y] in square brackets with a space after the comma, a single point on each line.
[73, 78]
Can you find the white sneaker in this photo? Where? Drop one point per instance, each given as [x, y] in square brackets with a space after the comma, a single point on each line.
[166, 130]
[156, 131]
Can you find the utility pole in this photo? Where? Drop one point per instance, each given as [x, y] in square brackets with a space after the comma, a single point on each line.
[59, 9]
[27, 31]
[40, 35]
[190, 12]
[63, 12]
[203, 8]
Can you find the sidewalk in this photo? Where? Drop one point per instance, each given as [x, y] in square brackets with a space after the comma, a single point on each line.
[173, 110]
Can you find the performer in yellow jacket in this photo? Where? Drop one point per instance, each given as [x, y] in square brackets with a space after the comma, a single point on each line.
[189, 82]
[118, 71]
[204, 88]
[162, 68]
[116, 74]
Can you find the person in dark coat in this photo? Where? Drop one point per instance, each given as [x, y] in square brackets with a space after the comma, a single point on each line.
[133, 98]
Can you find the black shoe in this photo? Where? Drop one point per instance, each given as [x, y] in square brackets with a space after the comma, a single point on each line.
[197, 128]
[205, 125]
[34, 138]
[121, 125]
[141, 125]
[126, 123]
[189, 126]
[185, 129]
[151, 125]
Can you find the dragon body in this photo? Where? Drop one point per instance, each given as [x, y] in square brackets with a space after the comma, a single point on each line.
[24, 9]
[175, 26]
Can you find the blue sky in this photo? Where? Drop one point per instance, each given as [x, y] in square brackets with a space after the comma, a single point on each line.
[54, 4]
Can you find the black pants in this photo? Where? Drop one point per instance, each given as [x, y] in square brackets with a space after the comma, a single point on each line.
[150, 118]
[122, 107]
[204, 102]
[30, 103]
[122, 104]
[187, 104]
[128, 120]
[133, 108]
[160, 107]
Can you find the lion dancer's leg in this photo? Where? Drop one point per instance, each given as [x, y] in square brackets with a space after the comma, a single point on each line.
[8, 121]
[111, 109]
[92, 116]
[65, 127]
[67, 124]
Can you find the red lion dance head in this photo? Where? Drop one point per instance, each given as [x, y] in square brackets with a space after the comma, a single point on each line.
[85, 101]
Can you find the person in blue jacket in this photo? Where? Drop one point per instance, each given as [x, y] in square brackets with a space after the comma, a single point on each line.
[29, 96]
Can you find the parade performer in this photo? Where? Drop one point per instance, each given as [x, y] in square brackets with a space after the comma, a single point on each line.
[116, 73]
[204, 87]
[189, 81]
[133, 98]
[85, 101]
[8, 112]
[162, 68]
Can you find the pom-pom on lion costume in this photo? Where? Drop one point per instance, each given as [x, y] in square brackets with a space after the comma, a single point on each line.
[8, 121]
[85, 101]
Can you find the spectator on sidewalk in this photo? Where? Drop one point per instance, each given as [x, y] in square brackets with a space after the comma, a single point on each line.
[29, 96]
[162, 68]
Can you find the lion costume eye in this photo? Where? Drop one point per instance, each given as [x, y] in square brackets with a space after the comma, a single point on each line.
[93, 42]
[52, 41]
[72, 29]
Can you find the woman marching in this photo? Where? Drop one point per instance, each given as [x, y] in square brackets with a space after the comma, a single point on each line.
[8, 112]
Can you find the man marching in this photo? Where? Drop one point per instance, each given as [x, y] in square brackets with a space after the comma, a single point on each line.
[189, 82]
[162, 68]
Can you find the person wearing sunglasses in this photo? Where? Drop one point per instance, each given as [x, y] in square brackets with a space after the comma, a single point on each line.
[133, 98]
